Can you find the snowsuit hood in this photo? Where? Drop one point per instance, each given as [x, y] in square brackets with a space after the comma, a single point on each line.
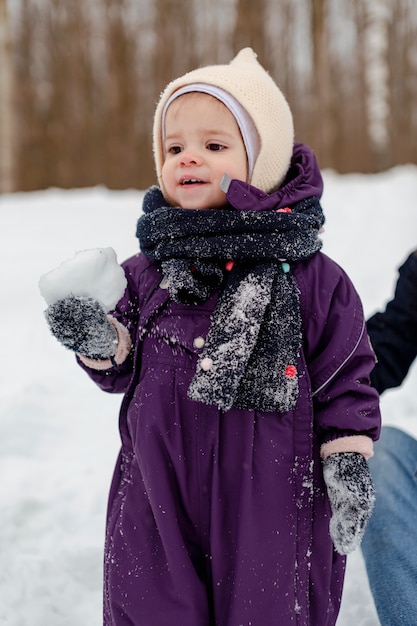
[303, 181]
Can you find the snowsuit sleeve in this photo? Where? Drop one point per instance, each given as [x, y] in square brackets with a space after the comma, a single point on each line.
[116, 379]
[393, 332]
[338, 355]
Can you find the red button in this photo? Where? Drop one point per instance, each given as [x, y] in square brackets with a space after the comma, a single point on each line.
[290, 371]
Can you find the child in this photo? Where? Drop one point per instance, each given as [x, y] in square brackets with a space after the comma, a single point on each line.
[242, 353]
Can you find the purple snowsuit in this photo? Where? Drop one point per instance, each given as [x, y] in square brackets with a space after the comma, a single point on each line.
[222, 518]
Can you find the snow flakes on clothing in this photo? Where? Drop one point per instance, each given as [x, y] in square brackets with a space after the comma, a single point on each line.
[253, 344]
[236, 330]
[352, 498]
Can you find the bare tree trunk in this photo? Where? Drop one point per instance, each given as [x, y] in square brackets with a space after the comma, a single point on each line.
[323, 115]
[403, 83]
[377, 16]
[121, 97]
[250, 28]
[7, 120]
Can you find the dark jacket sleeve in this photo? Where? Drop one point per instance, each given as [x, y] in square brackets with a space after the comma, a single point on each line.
[393, 332]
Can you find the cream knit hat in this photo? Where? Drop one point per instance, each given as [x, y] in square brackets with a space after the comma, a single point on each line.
[246, 80]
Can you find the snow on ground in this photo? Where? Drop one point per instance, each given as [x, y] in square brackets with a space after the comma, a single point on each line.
[58, 433]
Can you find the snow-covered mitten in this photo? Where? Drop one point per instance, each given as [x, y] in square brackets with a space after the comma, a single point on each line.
[81, 324]
[352, 497]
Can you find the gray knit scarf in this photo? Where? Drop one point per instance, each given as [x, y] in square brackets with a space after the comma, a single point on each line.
[251, 350]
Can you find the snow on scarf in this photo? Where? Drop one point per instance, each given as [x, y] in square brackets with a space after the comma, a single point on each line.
[250, 354]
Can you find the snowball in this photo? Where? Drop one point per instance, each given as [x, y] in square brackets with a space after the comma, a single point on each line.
[94, 273]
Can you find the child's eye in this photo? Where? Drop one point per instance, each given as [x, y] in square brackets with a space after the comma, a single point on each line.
[215, 147]
[174, 150]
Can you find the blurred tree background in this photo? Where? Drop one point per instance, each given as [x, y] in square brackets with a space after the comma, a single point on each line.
[79, 80]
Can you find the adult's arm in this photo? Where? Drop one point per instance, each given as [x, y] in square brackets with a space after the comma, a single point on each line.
[393, 332]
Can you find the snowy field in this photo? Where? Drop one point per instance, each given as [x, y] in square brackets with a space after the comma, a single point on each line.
[58, 433]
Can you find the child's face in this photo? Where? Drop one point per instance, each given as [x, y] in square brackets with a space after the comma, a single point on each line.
[203, 141]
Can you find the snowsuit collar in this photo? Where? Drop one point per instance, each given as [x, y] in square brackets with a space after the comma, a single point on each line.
[302, 181]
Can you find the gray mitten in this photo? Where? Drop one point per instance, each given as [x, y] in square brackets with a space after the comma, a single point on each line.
[352, 497]
[81, 325]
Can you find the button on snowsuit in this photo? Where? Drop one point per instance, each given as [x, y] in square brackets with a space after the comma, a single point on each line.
[221, 518]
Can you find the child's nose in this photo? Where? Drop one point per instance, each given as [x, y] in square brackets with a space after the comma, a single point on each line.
[189, 157]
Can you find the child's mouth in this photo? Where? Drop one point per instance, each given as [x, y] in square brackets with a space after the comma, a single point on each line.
[192, 181]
